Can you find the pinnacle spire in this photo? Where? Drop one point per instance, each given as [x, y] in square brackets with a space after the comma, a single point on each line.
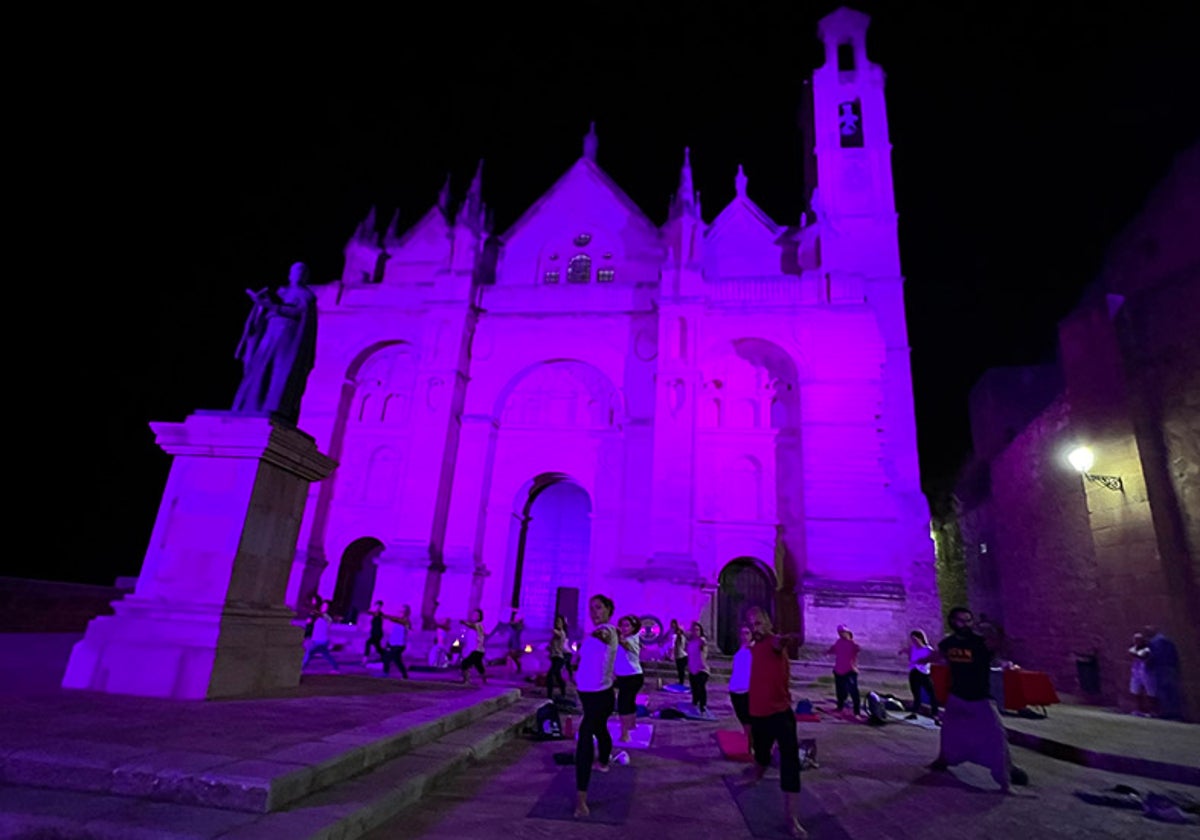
[739, 182]
[591, 143]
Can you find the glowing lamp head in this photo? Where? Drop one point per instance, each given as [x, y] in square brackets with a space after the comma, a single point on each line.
[529, 648]
[1081, 458]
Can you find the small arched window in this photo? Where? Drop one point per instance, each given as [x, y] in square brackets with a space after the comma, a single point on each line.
[579, 269]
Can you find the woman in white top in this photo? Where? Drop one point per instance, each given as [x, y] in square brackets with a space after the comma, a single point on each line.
[628, 671]
[739, 685]
[698, 667]
[472, 646]
[679, 649]
[919, 677]
[594, 683]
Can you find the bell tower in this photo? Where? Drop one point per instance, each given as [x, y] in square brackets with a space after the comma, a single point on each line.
[853, 154]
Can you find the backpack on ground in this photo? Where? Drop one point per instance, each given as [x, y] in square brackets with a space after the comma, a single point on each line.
[547, 723]
[877, 713]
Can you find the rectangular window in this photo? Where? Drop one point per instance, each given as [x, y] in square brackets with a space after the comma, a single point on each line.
[605, 275]
[845, 57]
[550, 277]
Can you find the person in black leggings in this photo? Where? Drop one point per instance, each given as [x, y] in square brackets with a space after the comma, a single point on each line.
[375, 640]
[558, 658]
[628, 673]
[473, 646]
[594, 682]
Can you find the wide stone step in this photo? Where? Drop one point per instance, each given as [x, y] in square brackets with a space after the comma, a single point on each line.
[258, 786]
[344, 811]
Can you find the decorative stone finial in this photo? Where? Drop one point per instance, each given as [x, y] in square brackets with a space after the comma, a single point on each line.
[590, 143]
[739, 182]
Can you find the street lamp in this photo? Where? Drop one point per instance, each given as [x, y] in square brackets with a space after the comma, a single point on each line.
[1082, 458]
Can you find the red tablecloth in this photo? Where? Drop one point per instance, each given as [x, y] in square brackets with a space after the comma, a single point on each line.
[1027, 688]
[1021, 688]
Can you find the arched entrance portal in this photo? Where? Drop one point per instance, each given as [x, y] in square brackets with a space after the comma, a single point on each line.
[744, 583]
[552, 553]
[356, 577]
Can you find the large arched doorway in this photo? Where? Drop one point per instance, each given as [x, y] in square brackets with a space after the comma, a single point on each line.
[552, 553]
[744, 583]
[356, 577]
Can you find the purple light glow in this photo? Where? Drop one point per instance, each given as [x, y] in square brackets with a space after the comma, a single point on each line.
[732, 391]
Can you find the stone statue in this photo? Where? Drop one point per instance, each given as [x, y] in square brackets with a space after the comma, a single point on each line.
[278, 348]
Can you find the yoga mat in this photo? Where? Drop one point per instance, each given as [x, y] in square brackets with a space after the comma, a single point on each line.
[689, 712]
[677, 689]
[609, 797]
[921, 721]
[733, 745]
[762, 810]
[641, 734]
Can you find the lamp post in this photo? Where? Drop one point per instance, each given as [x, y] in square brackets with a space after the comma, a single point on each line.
[1082, 458]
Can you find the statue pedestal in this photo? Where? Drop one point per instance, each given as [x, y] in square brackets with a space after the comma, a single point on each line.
[208, 617]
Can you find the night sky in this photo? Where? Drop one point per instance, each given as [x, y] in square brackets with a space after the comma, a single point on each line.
[160, 176]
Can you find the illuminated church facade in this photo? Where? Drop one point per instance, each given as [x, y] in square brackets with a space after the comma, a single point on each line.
[692, 417]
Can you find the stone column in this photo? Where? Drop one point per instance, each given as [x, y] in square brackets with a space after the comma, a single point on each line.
[208, 617]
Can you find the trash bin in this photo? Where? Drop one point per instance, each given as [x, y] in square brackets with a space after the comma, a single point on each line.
[1087, 668]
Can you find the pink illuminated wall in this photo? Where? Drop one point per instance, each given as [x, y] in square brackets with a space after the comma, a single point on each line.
[590, 400]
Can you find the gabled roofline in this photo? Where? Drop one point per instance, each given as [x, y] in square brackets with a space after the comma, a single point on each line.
[592, 168]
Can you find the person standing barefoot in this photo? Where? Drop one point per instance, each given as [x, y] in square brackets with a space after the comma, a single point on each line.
[594, 683]
[739, 685]
[558, 658]
[472, 647]
[628, 672]
[697, 647]
[772, 719]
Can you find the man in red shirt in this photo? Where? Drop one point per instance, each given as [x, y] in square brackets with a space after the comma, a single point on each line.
[772, 720]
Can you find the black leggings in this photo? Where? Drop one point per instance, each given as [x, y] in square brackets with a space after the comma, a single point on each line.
[847, 684]
[597, 709]
[917, 681]
[681, 669]
[627, 692]
[555, 675]
[699, 690]
[778, 728]
[394, 656]
[473, 660]
[373, 642]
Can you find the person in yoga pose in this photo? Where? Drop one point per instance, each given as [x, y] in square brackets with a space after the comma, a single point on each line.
[594, 683]
[739, 685]
[472, 646]
[772, 718]
[628, 671]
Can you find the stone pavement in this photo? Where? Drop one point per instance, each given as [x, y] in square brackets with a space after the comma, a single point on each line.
[419, 776]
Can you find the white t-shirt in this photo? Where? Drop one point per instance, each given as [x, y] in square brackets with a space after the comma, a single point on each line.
[629, 660]
[739, 680]
[472, 640]
[595, 672]
[917, 651]
[320, 634]
[399, 635]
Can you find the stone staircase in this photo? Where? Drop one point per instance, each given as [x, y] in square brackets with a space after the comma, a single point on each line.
[341, 786]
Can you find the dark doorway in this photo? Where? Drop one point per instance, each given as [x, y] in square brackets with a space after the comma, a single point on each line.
[744, 583]
[356, 578]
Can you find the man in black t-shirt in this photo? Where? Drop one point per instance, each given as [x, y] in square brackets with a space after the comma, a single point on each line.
[971, 726]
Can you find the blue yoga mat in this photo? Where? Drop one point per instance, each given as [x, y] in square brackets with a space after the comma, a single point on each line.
[609, 797]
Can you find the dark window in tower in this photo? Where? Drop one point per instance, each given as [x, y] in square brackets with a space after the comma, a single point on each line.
[845, 57]
[850, 127]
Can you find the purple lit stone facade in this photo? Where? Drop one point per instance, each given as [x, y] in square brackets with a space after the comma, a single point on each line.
[1071, 565]
[592, 401]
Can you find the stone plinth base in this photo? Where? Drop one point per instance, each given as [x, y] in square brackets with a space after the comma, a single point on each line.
[207, 618]
[187, 652]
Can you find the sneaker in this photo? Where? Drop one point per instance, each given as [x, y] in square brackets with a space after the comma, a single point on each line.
[603, 768]
[622, 758]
